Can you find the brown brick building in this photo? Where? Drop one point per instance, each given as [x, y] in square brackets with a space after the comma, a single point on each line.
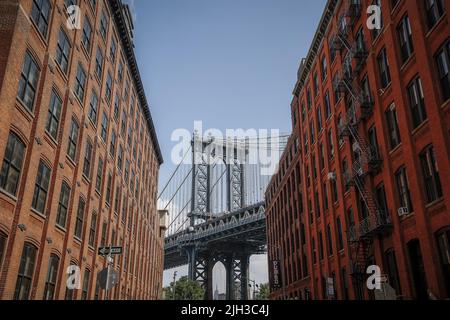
[369, 183]
[80, 157]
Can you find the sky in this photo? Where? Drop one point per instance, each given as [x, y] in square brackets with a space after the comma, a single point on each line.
[228, 63]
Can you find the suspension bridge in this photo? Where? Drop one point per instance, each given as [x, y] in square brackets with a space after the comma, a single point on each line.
[215, 203]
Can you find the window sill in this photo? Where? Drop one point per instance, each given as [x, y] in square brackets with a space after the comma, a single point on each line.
[50, 140]
[420, 127]
[39, 215]
[8, 195]
[436, 25]
[61, 71]
[396, 149]
[408, 62]
[70, 162]
[60, 228]
[24, 110]
[433, 204]
[77, 240]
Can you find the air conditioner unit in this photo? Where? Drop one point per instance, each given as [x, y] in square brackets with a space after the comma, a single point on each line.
[403, 212]
[332, 176]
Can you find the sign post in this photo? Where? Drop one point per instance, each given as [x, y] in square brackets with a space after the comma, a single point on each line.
[108, 252]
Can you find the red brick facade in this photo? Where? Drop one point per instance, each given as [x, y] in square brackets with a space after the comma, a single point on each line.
[88, 172]
[367, 185]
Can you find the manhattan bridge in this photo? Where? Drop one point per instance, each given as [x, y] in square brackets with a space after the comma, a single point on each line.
[215, 204]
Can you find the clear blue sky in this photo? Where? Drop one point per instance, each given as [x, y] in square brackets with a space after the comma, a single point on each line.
[230, 63]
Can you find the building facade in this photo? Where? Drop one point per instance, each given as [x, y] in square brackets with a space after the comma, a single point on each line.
[80, 156]
[369, 184]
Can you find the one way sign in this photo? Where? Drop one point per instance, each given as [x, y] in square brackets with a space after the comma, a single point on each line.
[104, 251]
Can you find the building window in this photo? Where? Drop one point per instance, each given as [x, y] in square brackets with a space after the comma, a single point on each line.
[116, 107]
[435, 10]
[112, 146]
[329, 241]
[319, 119]
[120, 158]
[103, 24]
[80, 82]
[79, 222]
[54, 113]
[52, 273]
[98, 181]
[86, 37]
[3, 239]
[12, 164]
[73, 140]
[383, 69]
[40, 14]
[443, 64]
[340, 234]
[316, 84]
[127, 171]
[324, 68]
[26, 270]
[327, 105]
[430, 174]
[321, 252]
[63, 205]
[373, 142]
[41, 187]
[84, 291]
[28, 82]
[116, 200]
[308, 98]
[113, 49]
[93, 109]
[93, 229]
[108, 188]
[394, 132]
[417, 102]
[405, 38]
[99, 63]
[344, 284]
[391, 265]
[443, 240]
[104, 235]
[330, 144]
[87, 160]
[108, 87]
[403, 189]
[63, 51]
[334, 190]
[104, 128]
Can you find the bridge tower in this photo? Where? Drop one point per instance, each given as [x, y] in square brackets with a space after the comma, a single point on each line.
[234, 154]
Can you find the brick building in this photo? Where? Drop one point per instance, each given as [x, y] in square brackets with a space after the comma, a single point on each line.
[369, 183]
[80, 157]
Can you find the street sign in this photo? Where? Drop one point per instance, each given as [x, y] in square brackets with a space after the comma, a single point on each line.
[276, 277]
[104, 251]
[106, 283]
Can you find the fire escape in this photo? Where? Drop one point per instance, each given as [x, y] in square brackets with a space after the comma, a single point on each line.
[374, 221]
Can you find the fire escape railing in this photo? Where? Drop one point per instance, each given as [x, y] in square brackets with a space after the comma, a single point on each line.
[367, 160]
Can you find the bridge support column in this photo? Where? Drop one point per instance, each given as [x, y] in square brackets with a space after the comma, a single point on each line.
[192, 260]
[209, 293]
[245, 273]
[237, 268]
[230, 287]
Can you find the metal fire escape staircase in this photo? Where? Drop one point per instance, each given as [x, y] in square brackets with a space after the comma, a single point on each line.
[377, 221]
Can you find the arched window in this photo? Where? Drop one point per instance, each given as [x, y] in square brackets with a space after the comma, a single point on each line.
[50, 283]
[12, 164]
[443, 239]
[26, 270]
[3, 240]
